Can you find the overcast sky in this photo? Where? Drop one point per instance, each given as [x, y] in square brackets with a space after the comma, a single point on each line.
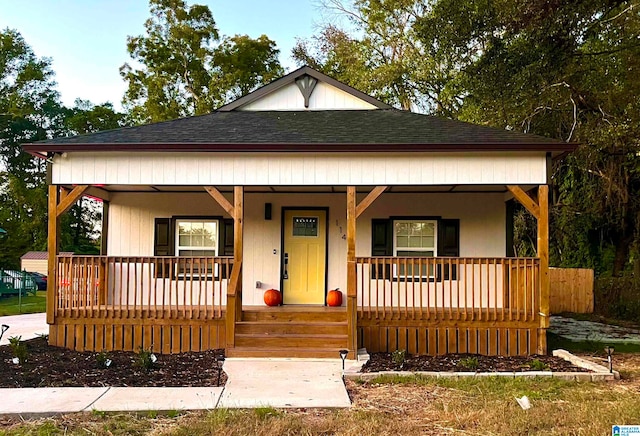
[86, 39]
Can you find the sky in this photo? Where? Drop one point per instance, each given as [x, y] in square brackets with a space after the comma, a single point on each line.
[86, 39]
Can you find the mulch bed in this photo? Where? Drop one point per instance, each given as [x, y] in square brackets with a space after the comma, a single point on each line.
[48, 366]
[452, 363]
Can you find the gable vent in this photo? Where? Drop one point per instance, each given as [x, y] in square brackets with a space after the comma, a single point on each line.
[306, 84]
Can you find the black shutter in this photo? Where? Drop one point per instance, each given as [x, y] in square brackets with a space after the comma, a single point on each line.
[163, 245]
[448, 246]
[225, 247]
[381, 245]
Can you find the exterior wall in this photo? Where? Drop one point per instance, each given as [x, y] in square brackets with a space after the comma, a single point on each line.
[131, 219]
[324, 97]
[289, 169]
[34, 265]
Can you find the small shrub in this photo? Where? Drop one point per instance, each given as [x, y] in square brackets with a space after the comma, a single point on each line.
[469, 363]
[266, 412]
[538, 365]
[102, 359]
[145, 359]
[398, 357]
[19, 349]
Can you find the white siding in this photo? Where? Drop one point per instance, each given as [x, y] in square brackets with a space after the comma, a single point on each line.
[324, 96]
[35, 265]
[298, 169]
[131, 218]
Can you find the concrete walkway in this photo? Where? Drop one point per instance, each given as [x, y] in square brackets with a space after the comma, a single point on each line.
[251, 383]
[28, 326]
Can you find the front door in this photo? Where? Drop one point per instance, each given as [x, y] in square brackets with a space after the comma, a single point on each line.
[304, 256]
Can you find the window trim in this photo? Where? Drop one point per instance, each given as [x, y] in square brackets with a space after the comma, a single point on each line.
[435, 221]
[196, 275]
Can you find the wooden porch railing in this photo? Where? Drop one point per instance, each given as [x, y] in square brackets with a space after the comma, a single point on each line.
[133, 287]
[440, 288]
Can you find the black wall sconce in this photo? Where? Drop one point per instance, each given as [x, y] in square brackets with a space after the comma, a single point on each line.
[267, 211]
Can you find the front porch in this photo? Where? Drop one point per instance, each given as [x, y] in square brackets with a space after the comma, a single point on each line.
[482, 305]
[428, 304]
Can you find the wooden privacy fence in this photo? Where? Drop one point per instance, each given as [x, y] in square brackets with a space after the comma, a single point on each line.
[571, 290]
[170, 304]
[448, 305]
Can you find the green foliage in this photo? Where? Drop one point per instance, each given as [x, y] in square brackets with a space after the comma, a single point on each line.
[538, 365]
[145, 359]
[618, 298]
[470, 363]
[19, 349]
[30, 110]
[266, 412]
[183, 72]
[398, 357]
[566, 70]
[102, 360]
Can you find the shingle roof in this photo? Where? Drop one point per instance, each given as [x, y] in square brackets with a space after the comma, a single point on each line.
[381, 127]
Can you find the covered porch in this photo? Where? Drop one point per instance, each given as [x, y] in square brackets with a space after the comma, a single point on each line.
[428, 304]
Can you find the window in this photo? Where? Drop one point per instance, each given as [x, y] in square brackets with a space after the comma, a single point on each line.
[415, 238]
[196, 238]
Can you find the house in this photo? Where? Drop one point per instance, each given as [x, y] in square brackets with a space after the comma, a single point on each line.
[304, 186]
[37, 261]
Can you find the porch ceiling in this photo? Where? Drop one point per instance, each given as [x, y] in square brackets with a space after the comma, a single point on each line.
[398, 189]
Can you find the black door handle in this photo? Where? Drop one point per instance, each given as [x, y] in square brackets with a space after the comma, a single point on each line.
[285, 274]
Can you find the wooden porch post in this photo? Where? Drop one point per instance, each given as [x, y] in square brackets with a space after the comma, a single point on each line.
[238, 231]
[540, 210]
[234, 292]
[352, 316]
[59, 202]
[543, 254]
[52, 252]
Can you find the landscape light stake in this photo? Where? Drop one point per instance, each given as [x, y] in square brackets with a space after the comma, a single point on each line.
[4, 329]
[609, 349]
[219, 364]
[343, 356]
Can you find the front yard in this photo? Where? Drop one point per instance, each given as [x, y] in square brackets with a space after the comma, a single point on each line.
[475, 406]
[30, 304]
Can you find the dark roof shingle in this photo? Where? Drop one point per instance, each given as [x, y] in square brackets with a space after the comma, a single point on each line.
[388, 126]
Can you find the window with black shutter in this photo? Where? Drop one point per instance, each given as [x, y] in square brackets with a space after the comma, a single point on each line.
[192, 237]
[415, 237]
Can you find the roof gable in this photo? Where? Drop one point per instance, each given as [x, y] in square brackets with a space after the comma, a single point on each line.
[305, 89]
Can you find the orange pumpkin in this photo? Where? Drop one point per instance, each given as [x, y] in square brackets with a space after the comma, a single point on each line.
[334, 298]
[273, 297]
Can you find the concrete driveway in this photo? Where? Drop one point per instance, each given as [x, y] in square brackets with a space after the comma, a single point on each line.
[28, 326]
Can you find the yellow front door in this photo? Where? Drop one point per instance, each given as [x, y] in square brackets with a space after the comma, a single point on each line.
[305, 251]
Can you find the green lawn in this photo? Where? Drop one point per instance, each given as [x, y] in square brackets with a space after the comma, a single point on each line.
[30, 304]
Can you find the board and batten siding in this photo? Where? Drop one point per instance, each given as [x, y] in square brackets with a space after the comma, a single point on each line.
[298, 169]
[131, 225]
[324, 96]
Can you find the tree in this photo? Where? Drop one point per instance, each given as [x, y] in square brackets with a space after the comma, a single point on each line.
[183, 72]
[566, 70]
[30, 110]
[386, 58]
[242, 64]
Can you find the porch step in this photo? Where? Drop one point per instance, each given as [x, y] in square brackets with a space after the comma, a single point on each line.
[270, 328]
[295, 314]
[291, 341]
[321, 353]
